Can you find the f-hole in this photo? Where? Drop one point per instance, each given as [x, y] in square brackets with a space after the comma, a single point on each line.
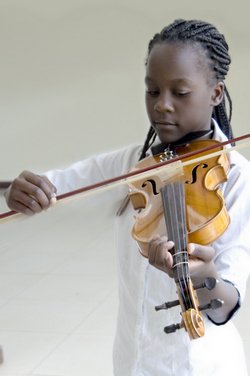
[194, 173]
[153, 186]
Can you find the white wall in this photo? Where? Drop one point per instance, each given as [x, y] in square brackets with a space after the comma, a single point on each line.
[71, 78]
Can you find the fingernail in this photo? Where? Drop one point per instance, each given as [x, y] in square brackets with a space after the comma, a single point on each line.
[165, 238]
[191, 247]
[53, 200]
[171, 243]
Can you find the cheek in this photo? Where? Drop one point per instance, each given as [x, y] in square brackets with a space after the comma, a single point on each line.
[149, 107]
[196, 106]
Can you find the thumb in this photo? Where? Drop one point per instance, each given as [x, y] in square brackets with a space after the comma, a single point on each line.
[202, 252]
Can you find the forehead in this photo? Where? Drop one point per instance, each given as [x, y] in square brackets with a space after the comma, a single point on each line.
[176, 61]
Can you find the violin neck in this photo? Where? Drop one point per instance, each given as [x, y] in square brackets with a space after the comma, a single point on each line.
[174, 208]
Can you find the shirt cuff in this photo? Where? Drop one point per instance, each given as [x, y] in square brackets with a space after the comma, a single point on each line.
[233, 311]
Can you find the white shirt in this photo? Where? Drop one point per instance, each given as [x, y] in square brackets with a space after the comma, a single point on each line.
[141, 347]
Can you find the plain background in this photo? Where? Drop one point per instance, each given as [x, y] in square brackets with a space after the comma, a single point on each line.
[72, 85]
[72, 74]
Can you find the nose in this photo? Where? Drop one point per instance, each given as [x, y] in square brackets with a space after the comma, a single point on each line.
[164, 104]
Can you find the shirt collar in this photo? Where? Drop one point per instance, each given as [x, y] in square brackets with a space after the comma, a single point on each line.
[214, 133]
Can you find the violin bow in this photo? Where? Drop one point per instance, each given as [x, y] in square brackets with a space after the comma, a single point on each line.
[133, 175]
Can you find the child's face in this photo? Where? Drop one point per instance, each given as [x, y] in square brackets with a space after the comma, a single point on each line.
[180, 92]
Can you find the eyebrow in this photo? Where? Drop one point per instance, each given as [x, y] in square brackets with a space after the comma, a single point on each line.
[177, 80]
[148, 79]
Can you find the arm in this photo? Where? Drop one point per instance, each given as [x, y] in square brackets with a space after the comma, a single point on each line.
[31, 193]
[201, 265]
[228, 259]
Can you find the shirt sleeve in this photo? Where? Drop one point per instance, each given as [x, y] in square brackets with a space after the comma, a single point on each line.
[233, 247]
[94, 169]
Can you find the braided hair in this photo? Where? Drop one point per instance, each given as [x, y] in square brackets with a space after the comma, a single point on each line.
[216, 48]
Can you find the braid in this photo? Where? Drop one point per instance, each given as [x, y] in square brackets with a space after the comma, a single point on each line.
[151, 136]
[197, 31]
[216, 47]
[220, 115]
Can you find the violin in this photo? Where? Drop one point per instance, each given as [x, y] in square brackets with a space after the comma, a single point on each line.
[188, 206]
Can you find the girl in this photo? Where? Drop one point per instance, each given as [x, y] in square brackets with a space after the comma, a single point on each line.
[186, 65]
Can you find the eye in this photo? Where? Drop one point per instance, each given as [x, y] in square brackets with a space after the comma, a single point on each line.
[152, 93]
[181, 93]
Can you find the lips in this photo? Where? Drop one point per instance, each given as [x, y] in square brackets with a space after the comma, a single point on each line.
[167, 131]
[164, 123]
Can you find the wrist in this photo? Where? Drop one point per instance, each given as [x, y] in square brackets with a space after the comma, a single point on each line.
[199, 275]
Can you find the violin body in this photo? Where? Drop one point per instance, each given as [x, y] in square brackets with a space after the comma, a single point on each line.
[207, 217]
[206, 214]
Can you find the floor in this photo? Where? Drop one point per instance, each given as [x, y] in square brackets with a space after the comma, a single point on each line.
[58, 293]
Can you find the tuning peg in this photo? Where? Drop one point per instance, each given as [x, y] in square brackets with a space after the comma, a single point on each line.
[209, 283]
[167, 305]
[214, 304]
[172, 328]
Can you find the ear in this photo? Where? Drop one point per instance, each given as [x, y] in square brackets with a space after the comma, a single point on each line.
[217, 94]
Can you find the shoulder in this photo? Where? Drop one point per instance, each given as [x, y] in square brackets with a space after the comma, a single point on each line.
[120, 160]
[239, 167]
[237, 187]
[128, 152]
[94, 168]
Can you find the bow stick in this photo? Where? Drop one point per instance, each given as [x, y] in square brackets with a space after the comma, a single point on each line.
[134, 175]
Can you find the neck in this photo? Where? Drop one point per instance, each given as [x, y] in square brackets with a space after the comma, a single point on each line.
[201, 135]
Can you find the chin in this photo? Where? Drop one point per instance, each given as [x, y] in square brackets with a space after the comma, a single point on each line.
[167, 134]
[168, 139]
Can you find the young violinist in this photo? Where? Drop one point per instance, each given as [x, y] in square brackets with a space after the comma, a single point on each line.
[186, 98]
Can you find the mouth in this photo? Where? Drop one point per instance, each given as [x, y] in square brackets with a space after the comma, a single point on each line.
[167, 130]
[164, 124]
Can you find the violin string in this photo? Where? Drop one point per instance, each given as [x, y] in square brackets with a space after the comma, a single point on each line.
[182, 235]
[177, 266]
[184, 240]
[171, 196]
[174, 210]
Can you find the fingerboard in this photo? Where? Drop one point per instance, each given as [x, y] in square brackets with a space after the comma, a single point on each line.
[173, 199]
